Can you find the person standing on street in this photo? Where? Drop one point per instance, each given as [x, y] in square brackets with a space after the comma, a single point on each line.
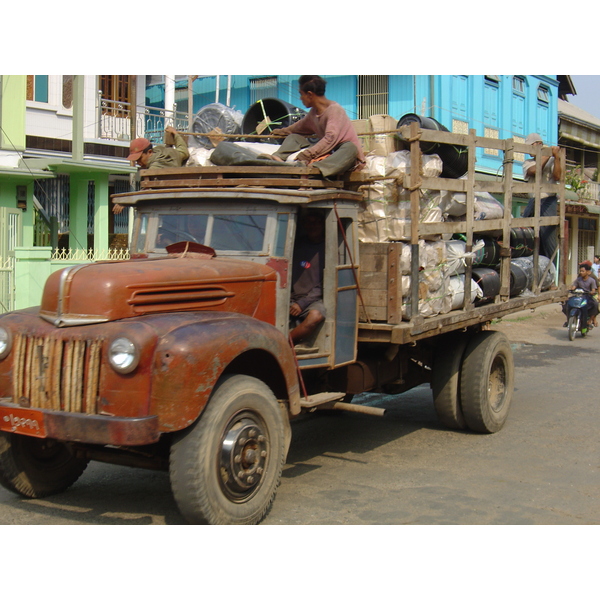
[596, 265]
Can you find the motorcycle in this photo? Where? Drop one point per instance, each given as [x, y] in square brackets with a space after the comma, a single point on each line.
[578, 303]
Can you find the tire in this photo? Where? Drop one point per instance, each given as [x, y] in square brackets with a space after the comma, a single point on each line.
[244, 428]
[572, 326]
[445, 384]
[487, 381]
[35, 468]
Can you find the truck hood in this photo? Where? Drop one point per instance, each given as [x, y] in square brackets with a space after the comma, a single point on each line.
[111, 290]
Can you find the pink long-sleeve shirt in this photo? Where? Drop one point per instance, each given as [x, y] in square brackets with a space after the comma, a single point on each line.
[332, 126]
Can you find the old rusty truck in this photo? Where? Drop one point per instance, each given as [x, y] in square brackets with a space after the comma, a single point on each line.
[179, 358]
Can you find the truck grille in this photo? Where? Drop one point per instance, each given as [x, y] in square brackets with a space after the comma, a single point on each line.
[57, 374]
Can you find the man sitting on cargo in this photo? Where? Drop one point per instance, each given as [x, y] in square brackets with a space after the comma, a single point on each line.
[147, 156]
[338, 148]
[307, 310]
[161, 156]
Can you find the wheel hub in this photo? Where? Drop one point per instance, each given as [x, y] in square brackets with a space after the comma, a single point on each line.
[497, 385]
[244, 454]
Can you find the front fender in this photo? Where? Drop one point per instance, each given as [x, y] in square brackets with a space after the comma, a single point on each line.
[189, 360]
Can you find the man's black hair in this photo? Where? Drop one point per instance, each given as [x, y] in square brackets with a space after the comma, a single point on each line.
[312, 83]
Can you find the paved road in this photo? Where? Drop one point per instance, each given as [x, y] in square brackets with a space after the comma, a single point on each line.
[404, 468]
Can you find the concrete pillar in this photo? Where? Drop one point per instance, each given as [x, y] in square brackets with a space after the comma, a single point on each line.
[78, 114]
[13, 94]
[78, 212]
[101, 214]
[169, 99]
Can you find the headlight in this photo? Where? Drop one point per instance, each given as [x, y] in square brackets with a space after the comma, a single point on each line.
[5, 342]
[123, 355]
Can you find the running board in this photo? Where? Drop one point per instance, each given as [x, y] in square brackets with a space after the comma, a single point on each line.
[323, 398]
[330, 401]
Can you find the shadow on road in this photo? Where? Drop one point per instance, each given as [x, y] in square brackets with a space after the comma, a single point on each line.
[338, 433]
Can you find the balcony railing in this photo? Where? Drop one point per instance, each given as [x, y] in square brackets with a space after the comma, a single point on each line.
[114, 121]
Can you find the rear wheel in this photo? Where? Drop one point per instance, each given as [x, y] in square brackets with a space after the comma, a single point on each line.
[487, 380]
[225, 469]
[35, 467]
[445, 384]
[572, 326]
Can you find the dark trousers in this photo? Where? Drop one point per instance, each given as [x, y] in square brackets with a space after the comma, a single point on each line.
[548, 233]
[341, 159]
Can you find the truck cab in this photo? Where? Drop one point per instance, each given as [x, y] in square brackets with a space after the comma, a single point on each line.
[262, 228]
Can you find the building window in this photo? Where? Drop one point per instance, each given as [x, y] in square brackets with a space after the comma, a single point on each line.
[543, 94]
[493, 134]
[116, 94]
[37, 88]
[67, 91]
[459, 126]
[586, 237]
[372, 96]
[492, 78]
[265, 87]
[519, 156]
[519, 85]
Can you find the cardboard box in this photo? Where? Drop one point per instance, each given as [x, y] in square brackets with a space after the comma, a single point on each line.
[382, 145]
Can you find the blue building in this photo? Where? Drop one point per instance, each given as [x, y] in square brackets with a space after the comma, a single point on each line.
[495, 106]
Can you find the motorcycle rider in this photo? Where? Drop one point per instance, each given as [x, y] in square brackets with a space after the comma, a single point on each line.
[588, 284]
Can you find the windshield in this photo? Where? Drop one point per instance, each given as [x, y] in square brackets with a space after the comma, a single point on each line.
[223, 232]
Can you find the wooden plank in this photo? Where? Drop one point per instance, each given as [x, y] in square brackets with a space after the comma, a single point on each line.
[236, 182]
[194, 172]
[374, 297]
[394, 294]
[373, 262]
[372, 280]
[376, 313]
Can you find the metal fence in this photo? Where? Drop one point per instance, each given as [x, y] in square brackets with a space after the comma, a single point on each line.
[114, 121]
[7, 284]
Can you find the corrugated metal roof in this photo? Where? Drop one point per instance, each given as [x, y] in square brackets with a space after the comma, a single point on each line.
[578, 125]
[574, 113]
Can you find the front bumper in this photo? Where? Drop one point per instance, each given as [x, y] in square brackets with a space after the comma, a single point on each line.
[77, 427]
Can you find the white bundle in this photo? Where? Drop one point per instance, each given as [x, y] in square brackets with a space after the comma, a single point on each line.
[456, 290]
[397, 164]
[485, 206]
[456, 255]
[373, 222]
[199, 157]
[399, 213]
[433, 293]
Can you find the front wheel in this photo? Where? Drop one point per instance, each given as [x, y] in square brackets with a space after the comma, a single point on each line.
[572, 326]
[487, 381]
[225, 469]
[34, 467]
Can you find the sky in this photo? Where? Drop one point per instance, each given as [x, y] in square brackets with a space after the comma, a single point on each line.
[588, 93]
